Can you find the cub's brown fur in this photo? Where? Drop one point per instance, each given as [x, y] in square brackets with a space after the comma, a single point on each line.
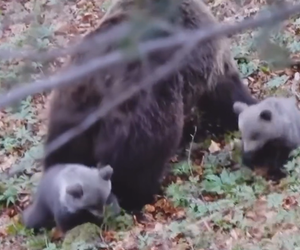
[138, 138]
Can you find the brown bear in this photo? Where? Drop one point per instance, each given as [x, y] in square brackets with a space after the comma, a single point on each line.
[138, 138]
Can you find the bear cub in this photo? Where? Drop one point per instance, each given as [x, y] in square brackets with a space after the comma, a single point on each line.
[270, 131]
[69, 195]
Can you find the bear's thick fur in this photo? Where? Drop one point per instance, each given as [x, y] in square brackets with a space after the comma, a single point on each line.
[138, 138]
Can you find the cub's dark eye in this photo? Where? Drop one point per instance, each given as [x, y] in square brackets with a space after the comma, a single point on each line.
[255, 136]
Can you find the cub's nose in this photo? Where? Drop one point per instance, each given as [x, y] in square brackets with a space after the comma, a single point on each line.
[247, 159]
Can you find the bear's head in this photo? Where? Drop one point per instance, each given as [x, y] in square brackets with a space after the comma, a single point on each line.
[87, 189]
[265, 129]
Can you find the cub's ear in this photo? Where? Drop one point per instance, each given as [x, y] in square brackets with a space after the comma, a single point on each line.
[76, 191]
[266, 115]
[239, 107]
[106, 172]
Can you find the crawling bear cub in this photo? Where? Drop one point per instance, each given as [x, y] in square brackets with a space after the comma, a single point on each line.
[69, 195]
[270, 131]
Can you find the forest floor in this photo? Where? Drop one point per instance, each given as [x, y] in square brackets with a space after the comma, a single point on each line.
[210, 201]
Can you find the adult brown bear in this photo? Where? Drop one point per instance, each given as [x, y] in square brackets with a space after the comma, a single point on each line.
[138, 138]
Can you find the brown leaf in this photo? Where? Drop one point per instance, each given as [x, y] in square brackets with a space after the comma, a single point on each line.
[214, 147]
[149, 208]
[174, 159]
[11, 212]
[56, 234]
[109, 236]
[165, 206]
[81, 3]
[87, 17]
[16, 218]
[289, 202]
[3, 232]
[66, 28]
[250, 215]
[209, 198]
[180, 215]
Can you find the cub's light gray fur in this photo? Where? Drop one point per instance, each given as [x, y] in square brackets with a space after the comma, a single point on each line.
[270, 131]
[70, 195]
[257, 129]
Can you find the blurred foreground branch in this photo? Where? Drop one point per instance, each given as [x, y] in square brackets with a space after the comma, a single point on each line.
[178, 39]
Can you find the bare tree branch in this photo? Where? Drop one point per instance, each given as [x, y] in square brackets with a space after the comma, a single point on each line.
[178, 39]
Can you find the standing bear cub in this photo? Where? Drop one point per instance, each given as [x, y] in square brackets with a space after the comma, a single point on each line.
[139, 137]
[270, 131]
[69, 195]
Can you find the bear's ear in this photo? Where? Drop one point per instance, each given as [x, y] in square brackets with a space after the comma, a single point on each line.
[106, 172]
[239, 107]
[266, 115]
[76, 191]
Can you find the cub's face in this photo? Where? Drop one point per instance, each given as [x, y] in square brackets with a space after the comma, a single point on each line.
[264, 130]
[257, 126]
[93, 190]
